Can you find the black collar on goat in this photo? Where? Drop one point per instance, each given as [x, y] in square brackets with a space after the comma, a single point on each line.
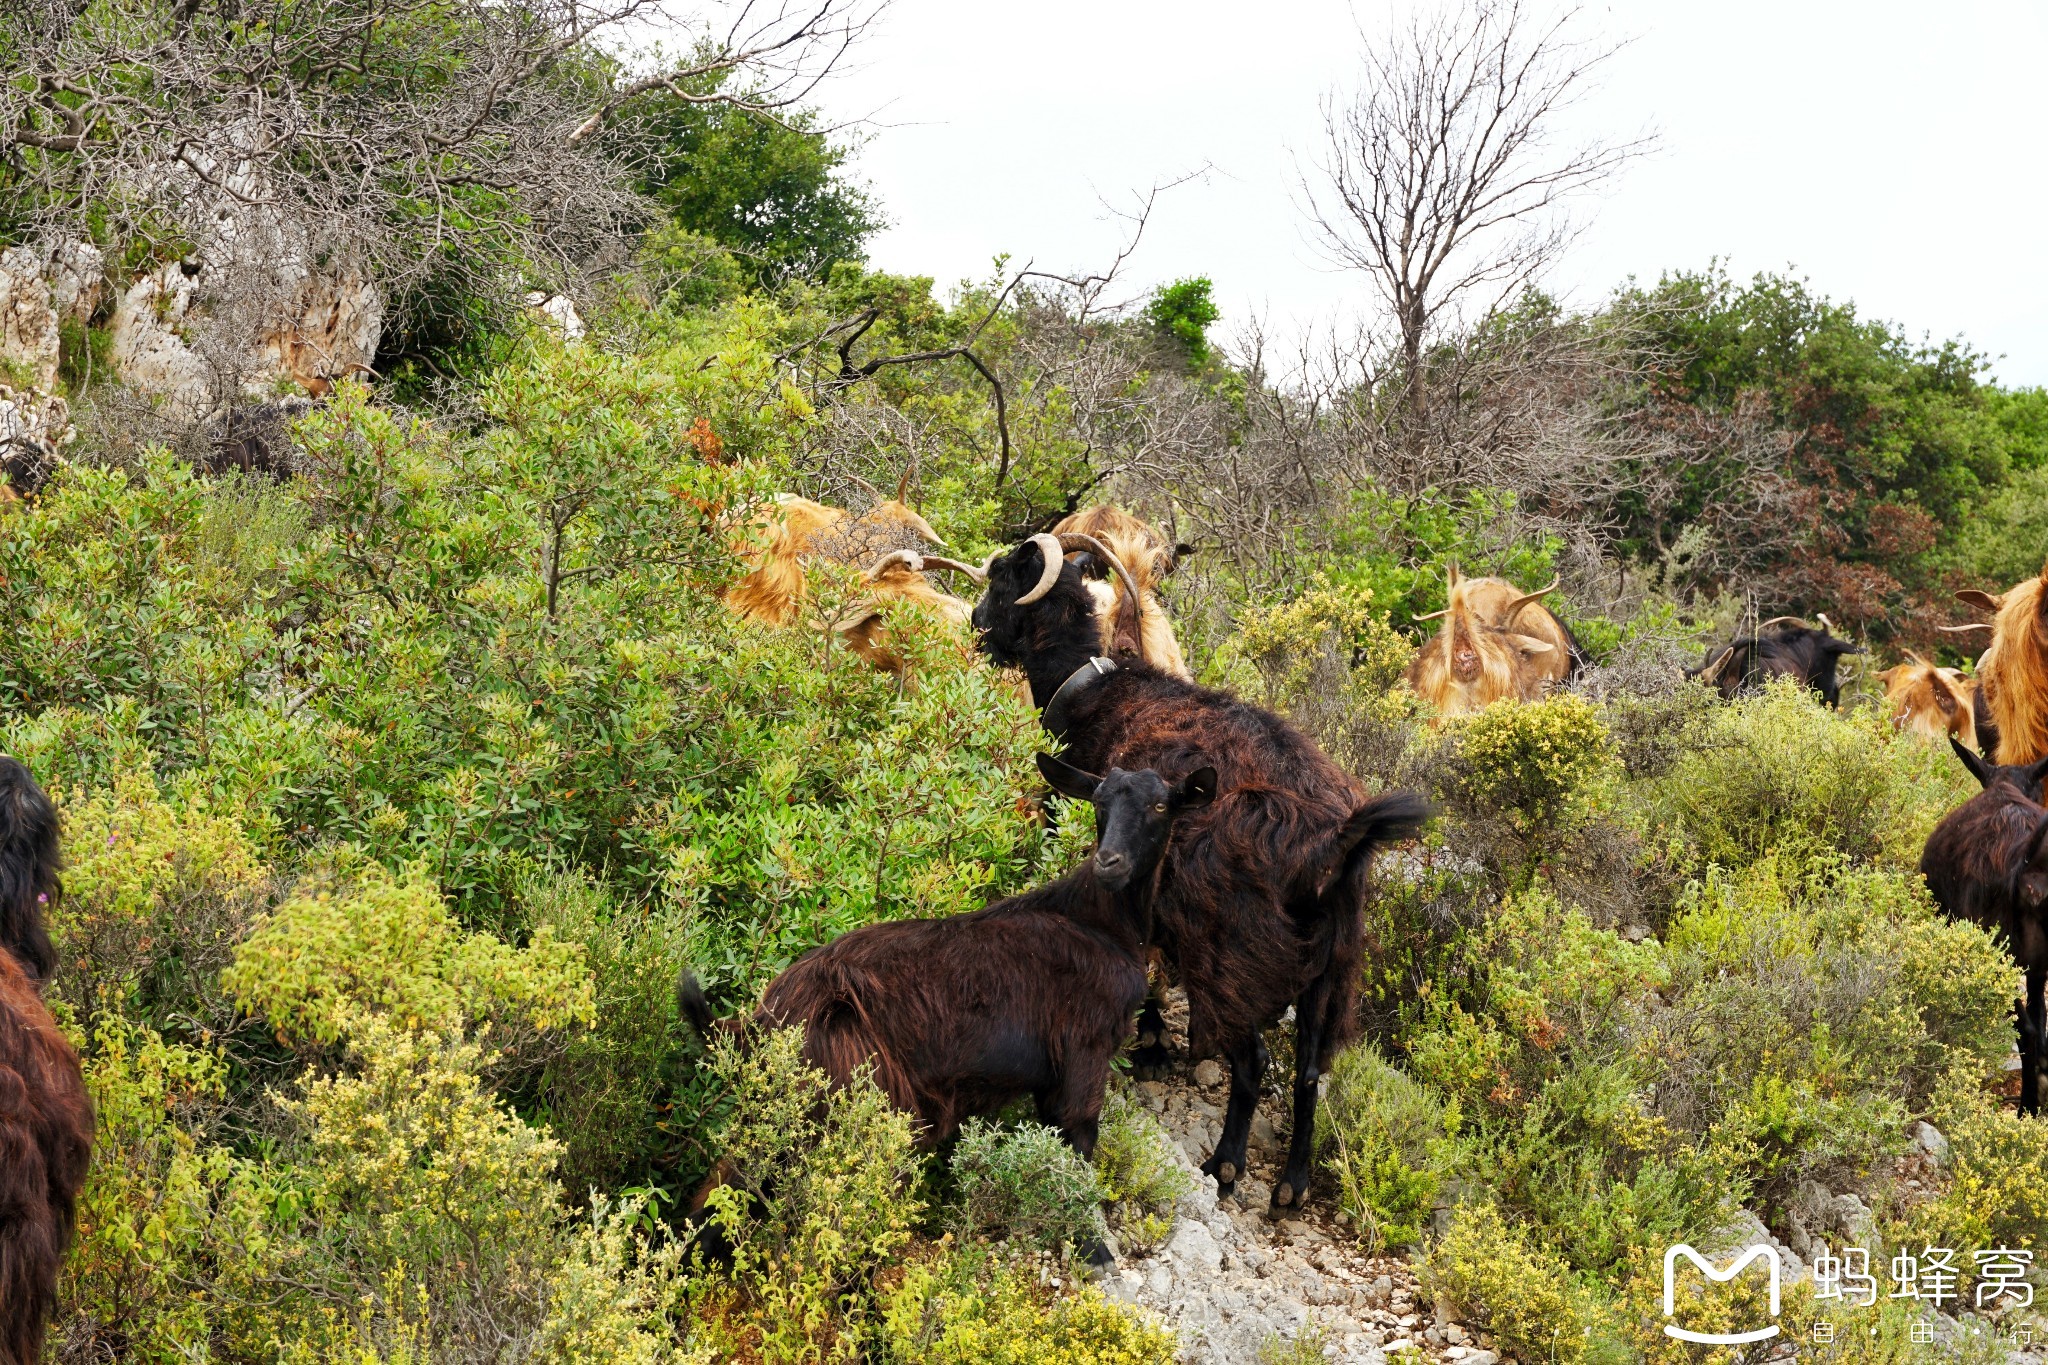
[1259, 900]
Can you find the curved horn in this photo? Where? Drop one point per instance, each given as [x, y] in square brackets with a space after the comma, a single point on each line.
[903, 483]
[1515, 607]
[1434, 615]
[911, 558]
[1055, 558]
[1076, 540]
[979, 575]
[1781, 620]
[1963, 630]
[1822, 617]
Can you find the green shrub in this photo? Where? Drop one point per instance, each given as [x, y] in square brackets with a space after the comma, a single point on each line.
[1522, 1293]
[154, 899]
[1533, 762]
[1309, 1347]
[1026, 1184]
[824, 1197]
[319, 961]
[1781, 769]
[1377, 1128]
[1135, 1167]
[1997, 1194]
[967, 1309]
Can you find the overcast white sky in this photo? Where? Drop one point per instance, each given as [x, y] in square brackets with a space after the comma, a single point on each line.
[1893, 153]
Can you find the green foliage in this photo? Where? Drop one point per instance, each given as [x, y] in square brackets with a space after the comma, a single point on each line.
[1026, 1183]
[1379, 1129]
[1780, 770]
[314, 964]
[1997, 1164]
[1520, 1291]
[1893, 439]
[1182, 313]
[1309, 1347]
[772, 190]
[964, 1308]
[1532, 762]
[1136, 1169]
[824, 1196]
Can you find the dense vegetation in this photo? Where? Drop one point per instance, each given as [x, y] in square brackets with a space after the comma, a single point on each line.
[397, 792]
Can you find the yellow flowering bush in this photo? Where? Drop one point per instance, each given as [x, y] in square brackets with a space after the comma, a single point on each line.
[962, 1310]
[389, 946]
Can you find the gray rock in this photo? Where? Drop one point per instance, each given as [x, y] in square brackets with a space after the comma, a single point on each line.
[1928, 1139]
[1193, 1245]
[1481, 1358]
[1851, 1218]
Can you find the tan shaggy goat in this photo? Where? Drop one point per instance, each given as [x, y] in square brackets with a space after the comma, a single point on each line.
[796, 531]
[1496, 641]
[1148, 556]
[1929, 700]
[2014, 671]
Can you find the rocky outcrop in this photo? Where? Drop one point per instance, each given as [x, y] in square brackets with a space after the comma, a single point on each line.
[40, 290]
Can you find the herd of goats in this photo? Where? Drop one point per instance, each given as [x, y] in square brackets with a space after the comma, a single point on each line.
[1230, 851]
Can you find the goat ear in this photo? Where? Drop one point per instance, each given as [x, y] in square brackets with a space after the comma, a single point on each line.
[1978, 598]
[1066, 779]
[2036, 774]
[1979, 769]
[1198, 788]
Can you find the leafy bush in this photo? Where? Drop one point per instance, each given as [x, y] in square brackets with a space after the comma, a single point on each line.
[1136, 1169]
[823, 1197]
[1779, 769]
[314, 964]
[1997, 1164]
[154, 899]
[967, 1309]
[1025, 1183]
[1533, 762]
[1522, 1293]
[1377, 1127]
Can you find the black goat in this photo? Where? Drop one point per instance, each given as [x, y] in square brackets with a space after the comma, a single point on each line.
[1779, 648]
[1987, 862]
[1034, 995]
[1260, 896]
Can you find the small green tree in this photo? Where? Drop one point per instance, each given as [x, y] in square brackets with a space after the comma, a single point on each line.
[1181, 313]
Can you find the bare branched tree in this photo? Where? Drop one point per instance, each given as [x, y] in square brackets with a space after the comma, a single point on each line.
[1440, 180]
[418, 137]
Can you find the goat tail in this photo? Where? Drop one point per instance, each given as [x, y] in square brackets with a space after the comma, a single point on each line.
[1386, 819]
[690, 999]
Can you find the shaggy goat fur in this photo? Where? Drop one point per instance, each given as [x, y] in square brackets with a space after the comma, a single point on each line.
[2015, 674]
[1494, 643]
[1777, 649]
[1987, 863]
[46, 1123]
[1260, 897]
[1150, 557]
[797, 529]
[1033, 995]
[1930, 701]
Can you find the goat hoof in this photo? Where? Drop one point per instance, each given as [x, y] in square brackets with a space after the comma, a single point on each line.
[1283, 1196]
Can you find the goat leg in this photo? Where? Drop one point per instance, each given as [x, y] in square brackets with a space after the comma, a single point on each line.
[1248, 1060]
[2033, 1022]
[1076, 1110]
[1149, 1059]
[1310, 1028]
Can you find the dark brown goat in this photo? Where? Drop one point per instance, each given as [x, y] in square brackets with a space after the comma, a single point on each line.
[1779, 648]
[1260, 896]
[1033, 995]
[1987, 863]
[45, 1117]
